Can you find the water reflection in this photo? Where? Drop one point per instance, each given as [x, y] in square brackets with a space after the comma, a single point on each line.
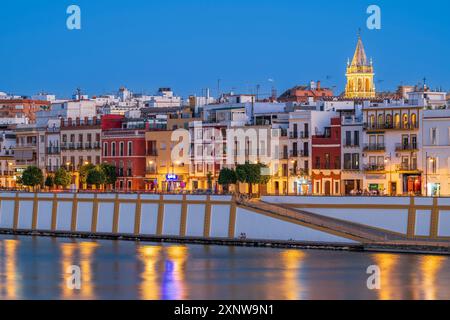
[430, 267]
[149, 287]
[125, 270]
[163, 275]
[9, 273]
[79, 254]
[173, 286]
[292, 263]
[388, 264]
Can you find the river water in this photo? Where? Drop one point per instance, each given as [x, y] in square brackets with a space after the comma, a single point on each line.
[40, 268]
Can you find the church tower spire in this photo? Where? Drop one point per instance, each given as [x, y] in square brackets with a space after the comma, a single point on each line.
[360, 75]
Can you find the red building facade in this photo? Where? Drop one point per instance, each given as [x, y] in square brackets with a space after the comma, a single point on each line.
[326, 157]
[125, 149]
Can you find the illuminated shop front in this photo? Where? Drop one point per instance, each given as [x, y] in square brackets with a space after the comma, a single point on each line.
[173, 183]
[303, 186]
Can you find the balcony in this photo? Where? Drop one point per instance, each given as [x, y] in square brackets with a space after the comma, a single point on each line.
[7, 173]
[406, 167]
[294, 153]
[374, 147]
[351, 167]
[293, 135]
[304, 135]
[27, 145]
[401, 147]
[375, 168]
[301, 172]
[351, 145]
[391, 126]
[298, 154]
[299, 135]
[53, 150]
[327, 166]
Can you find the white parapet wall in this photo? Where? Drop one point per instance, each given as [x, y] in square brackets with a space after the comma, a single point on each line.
[171, 216]
[416, 217]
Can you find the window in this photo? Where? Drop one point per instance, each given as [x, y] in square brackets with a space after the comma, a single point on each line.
[327, 160]
[433, 136]
[317, 162]
[348, 138]
[130, 148]
[397, 120]
[356, 139]
[113, 149]
[405, 121]
[389, 120]
[122, 148]
[355, 161]
[105, 149]
[347, 161]
[433, 165]
[130, 184]
[414, 123]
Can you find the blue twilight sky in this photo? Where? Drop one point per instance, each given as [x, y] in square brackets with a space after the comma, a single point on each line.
[189, 44]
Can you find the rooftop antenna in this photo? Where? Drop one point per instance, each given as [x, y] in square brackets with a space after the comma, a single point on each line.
[79, 93]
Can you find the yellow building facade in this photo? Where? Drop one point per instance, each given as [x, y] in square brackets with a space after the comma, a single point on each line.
[360, 75]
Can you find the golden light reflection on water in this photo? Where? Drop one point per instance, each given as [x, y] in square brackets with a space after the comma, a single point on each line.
[387, 263]
[173, 284]
[429, 267]
[149, 287]
[292, 263]
[163, 275]
[84, 251]
[9, 274]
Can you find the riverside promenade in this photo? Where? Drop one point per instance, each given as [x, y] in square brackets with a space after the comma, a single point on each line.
[399, 224]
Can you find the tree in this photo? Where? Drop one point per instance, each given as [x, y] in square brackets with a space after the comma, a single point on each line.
[63, 178]
[110, 173]
[83, 172]
[248, 173]
[227, 177]
[32, 177]
[252, 174]
[96, 177]
[49, 182]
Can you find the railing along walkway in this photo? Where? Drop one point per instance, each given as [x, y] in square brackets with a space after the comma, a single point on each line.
[367, 234]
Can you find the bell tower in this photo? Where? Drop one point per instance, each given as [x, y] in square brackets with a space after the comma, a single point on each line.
[360, 75]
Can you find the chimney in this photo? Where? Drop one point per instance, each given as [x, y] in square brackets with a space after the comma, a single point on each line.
[318, 85]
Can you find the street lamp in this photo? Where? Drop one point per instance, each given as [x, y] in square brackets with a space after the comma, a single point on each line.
[427, 160]
[390, 172]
